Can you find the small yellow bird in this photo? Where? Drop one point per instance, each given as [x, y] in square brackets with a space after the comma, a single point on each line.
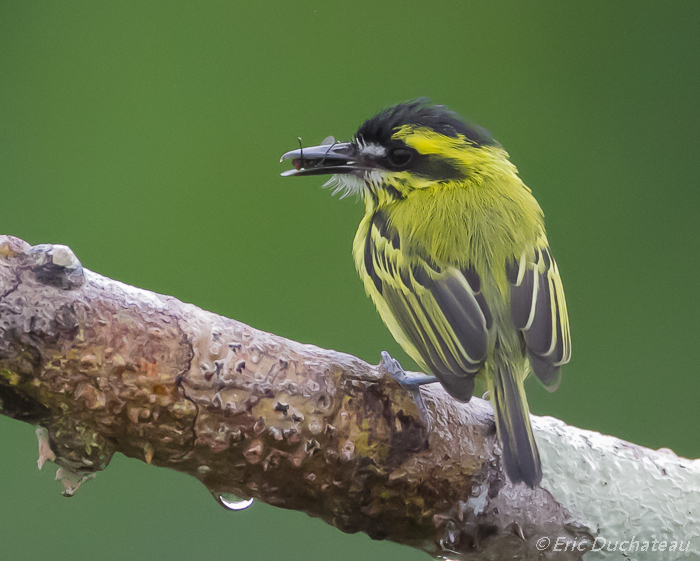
[452, 250]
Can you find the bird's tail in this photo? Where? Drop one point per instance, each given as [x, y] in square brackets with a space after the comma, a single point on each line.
[520, 455]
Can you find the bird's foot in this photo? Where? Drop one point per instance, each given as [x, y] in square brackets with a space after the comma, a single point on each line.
[409, 380]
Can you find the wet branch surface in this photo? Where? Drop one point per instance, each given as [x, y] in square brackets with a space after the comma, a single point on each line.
[104, 367]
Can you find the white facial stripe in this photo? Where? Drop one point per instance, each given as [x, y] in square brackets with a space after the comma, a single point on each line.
[373, 150]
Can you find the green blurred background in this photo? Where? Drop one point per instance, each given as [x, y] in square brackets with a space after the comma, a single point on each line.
[146, 136]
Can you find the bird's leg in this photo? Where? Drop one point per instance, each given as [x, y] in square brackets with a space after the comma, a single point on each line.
[409, 380]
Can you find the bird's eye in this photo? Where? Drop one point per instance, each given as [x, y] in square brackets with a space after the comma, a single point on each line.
[400, 157]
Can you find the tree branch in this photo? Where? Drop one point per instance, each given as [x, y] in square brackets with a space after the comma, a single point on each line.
[104, 367]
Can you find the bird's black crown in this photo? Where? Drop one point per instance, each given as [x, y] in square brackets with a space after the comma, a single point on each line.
[420, 112]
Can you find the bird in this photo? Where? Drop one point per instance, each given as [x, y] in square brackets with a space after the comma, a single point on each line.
[453, 252]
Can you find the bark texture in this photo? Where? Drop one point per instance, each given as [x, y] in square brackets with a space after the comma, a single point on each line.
[103, 367]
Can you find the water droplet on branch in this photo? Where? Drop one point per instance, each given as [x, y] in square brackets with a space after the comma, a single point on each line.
[231, 502]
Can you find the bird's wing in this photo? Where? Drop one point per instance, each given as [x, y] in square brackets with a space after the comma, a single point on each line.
[538, 310]
[441, 312]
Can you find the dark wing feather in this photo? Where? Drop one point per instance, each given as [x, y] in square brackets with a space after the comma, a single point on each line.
[538, 310]
[444, 320]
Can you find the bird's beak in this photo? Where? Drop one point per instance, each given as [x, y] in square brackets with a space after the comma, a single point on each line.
[337, 158]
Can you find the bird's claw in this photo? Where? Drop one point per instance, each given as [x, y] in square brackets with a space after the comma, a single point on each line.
[408, 380]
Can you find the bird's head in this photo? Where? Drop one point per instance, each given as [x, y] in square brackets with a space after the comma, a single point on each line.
[410, 146]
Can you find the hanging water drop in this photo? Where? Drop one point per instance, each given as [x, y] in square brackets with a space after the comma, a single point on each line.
[231, 502]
